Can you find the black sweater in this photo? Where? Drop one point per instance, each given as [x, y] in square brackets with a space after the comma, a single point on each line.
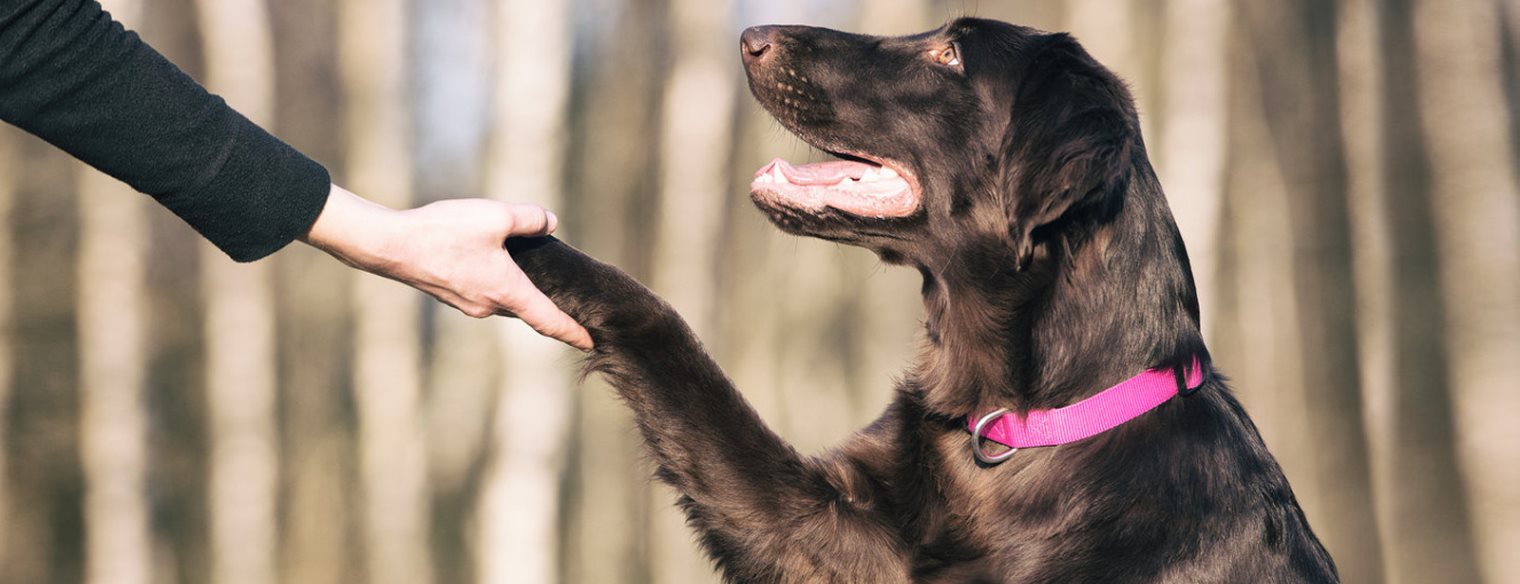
[72, 76]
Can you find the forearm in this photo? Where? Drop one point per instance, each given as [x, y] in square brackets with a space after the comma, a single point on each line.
[75, 78]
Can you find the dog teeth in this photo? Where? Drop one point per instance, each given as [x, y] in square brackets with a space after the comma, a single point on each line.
[778, 176]
[764, 178]
[875, 174]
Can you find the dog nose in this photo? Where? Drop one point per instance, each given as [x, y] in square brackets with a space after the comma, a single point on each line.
[755, 42]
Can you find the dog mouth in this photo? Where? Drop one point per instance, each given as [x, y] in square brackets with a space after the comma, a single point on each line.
[854, 184]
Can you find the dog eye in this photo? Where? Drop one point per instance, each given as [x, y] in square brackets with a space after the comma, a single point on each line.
[948, 56]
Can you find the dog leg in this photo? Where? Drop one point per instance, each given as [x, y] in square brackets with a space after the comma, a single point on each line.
[764, 513]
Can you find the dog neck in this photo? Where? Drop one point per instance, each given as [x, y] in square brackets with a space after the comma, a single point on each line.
[1099, 304]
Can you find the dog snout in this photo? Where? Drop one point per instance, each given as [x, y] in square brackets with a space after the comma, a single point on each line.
[756, 43]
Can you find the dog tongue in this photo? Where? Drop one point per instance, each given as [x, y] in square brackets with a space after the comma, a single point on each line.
[820, 173]
[857, 188]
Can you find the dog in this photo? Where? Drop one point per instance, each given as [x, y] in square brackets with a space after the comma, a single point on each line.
[1006, 166]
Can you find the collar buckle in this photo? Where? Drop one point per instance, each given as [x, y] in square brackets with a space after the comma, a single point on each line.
[976, 440]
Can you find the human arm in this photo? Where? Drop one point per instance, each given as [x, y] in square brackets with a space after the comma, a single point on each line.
[72, 76]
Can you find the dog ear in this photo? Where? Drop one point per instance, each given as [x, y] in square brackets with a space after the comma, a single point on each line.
[1069, 144]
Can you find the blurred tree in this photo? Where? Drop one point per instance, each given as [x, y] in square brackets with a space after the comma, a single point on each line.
[1361, 111]
[695, 143]
[318, 519]
[611, 191]
[1256, 334]
[7, 339]
[1292, 46]
[520, 507]
[1459, 55]
[1189, 151]
[46, 517]
[241, 373]
[113, 361]
[694, 164]
[450, 83]
[630, 117]
[372, 50]
[1422, 509]
[175, 328]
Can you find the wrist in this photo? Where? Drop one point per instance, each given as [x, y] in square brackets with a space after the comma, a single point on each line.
[355, 230]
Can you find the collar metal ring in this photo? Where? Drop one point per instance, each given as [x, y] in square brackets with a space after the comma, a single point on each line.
[976, 440]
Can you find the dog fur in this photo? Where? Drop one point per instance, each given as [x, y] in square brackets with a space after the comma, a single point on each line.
[1052, 269]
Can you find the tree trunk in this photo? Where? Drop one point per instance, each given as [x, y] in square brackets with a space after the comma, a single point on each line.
[46, 520]
[387, 363]
[113, 356]
[695, 142]
[1421, 500]
[174, 330]
[240, 325]
[7, 340]
[1256, 307]
[1510, 70]
[1293, 43]
[1191, 146]
[1362, 113]
[317, 517]
[1459, 65]
[450, 83]
[612, 192]
[694, 178]
[519, 507]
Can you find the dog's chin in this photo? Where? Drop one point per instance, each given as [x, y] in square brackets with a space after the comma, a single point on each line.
[861, 189]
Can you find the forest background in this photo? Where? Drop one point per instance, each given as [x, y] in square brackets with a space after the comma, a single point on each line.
[1344, 173]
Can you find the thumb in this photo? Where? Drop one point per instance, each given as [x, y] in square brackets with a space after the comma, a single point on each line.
[534, 308]
[530, 221]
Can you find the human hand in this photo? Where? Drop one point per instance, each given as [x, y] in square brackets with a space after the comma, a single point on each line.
[453, 250]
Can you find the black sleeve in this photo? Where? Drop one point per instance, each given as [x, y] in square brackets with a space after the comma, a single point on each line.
[72, 76]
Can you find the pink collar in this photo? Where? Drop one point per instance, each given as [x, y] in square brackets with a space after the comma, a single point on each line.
[1084, 419]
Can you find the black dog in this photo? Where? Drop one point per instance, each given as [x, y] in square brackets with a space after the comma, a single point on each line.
[1007, 167]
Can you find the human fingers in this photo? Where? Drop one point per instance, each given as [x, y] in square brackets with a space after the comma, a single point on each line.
[530, 221]
[533, 307]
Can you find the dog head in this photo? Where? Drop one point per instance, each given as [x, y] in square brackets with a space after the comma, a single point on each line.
[1006, 165]
[980, 137]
